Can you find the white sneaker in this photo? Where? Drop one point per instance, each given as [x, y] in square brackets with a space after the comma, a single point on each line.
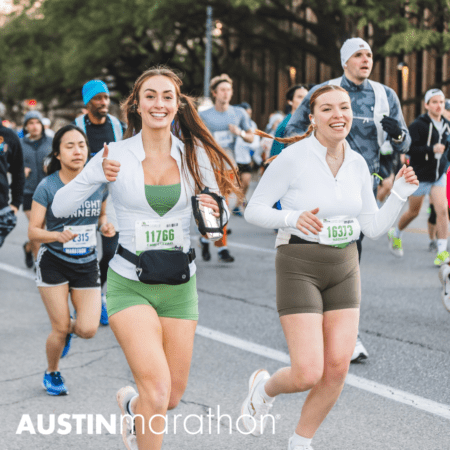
[123, 397]
[298, 447]
[395, 244]
[254, 405]
[444, 277]
[360, 353]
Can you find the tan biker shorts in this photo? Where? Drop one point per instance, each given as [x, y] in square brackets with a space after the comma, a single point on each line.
[315, 278]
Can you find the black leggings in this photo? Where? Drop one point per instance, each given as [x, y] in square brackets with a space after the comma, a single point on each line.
[109, 246]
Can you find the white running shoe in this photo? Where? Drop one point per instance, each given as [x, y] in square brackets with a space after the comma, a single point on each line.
[254, 405]
[298, 447]
[395, 244]
[123, 397]
[360, 353]
[444, 277]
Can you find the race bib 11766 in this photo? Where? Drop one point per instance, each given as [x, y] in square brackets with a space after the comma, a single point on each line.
[159, 234]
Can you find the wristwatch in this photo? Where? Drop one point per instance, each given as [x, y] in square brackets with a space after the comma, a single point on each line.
[400, 138]
[242, 134]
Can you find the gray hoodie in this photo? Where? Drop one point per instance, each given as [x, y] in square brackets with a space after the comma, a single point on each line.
[34, 153]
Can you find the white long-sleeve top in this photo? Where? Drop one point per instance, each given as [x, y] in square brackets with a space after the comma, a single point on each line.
[302, 180]
[128, 193]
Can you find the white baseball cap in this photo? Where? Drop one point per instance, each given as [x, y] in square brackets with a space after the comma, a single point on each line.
[351, 46]
[431, 93]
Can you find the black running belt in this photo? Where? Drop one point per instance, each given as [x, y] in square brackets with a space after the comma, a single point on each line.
[298, 240]
[134, 259]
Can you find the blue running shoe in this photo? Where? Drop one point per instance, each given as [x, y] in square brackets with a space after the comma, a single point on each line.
[104, 316]
[237, 212]
[53, 383]
[67, 346]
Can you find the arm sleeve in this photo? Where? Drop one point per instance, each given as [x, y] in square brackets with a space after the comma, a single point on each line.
[73, 194]
[273, 185]
[376, 222]
[17, 172]
[396, 113]
[419, 136]
[209, 179]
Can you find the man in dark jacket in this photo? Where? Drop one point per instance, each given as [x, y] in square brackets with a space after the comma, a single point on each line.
[36, 146]
[429, 158]
[11, 161]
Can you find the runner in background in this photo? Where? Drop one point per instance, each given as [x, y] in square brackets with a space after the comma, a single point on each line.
[36, 147]
[11, 161]
[294, 98]
[244, 153]
[226, 123]
[429, 159]
[100, 128]
[377, 119]
[67, 260]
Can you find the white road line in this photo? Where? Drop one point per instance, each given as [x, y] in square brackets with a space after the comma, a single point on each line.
[382, 390]
[251, 247]
[17, 271]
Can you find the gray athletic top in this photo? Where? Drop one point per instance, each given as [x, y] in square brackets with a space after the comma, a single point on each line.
[87, 214]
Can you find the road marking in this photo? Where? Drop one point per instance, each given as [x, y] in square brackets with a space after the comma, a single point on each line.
[251, 247]
[382, 390]
[17, 271]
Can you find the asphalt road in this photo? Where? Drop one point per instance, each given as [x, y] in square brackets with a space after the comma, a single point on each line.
[398, 399]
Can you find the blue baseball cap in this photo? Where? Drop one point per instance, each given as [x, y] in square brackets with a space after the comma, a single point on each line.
[92, 88]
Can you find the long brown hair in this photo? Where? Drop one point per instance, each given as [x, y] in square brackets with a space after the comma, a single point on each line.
[192, 131]
[312, 102]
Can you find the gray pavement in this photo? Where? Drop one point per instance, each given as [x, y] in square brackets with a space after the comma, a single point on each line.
[403, 325]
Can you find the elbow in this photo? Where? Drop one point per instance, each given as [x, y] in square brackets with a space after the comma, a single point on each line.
[249, 215]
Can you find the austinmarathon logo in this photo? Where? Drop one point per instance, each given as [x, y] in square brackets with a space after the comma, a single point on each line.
[193, 424]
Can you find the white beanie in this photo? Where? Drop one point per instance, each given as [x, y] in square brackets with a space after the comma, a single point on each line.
[351, 46]
[432, 93]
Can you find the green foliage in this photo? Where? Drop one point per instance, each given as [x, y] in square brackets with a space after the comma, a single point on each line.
[54, 49]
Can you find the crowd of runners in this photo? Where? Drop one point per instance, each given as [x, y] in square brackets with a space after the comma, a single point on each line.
[340, 165]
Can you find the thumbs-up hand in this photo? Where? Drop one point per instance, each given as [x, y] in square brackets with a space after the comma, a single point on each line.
[110, 167]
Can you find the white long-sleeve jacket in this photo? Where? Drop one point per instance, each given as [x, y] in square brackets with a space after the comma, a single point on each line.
[128, 193]
[301, 178]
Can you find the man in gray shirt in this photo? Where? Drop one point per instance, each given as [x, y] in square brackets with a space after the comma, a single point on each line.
[225, 122]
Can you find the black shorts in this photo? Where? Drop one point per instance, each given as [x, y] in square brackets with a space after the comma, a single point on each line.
[244, 168]
[27, 200]
[52, 271]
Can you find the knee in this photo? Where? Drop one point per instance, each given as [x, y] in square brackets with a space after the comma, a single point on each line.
[156, 396]
[441, 211]
[336, 370]
[306, 379]
[62, 329]
[86, 333]
[414, 212]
